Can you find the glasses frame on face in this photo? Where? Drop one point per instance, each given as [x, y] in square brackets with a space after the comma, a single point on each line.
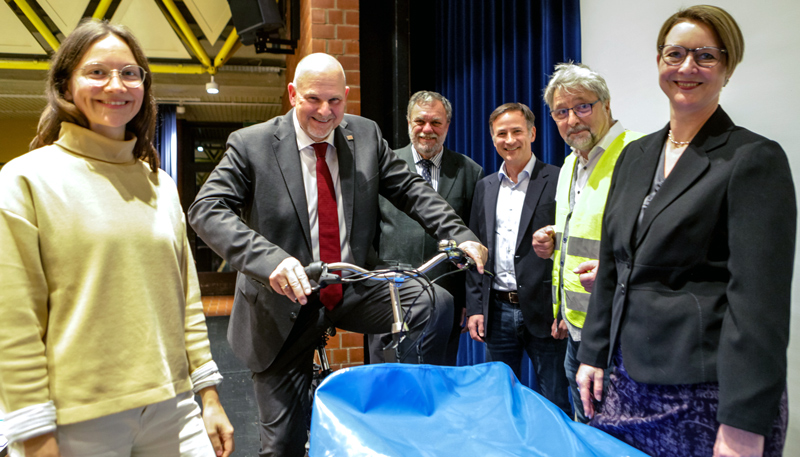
[661, 48]
[580, 110]
[99, 82]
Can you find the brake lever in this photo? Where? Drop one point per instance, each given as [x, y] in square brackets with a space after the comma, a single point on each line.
[319, 277]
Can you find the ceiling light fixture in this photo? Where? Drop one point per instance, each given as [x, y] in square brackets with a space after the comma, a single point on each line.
[212, 87]
[180, 109]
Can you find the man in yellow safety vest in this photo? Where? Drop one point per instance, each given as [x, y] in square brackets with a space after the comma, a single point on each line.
[580, 104]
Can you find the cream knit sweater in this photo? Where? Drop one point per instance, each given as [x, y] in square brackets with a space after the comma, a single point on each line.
[99, 301]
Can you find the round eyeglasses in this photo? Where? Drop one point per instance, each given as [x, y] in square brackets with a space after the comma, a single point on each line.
[707, 56]
[582, 110]
[132, 76]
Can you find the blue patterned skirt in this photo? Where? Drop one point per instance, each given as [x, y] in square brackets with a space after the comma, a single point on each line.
[671, 420]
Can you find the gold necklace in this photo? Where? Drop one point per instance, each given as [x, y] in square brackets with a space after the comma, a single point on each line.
[676, 143]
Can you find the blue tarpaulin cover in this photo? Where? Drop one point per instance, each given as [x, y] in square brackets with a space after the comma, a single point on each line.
[425, 410]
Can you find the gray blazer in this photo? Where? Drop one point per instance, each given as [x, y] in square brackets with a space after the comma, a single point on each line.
[402, 239]
[252, 211]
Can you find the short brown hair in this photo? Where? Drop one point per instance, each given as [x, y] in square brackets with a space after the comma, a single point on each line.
[506, 107]
[720, 22]
[59, 109]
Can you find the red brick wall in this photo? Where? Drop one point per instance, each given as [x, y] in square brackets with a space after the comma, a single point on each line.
[330, 26]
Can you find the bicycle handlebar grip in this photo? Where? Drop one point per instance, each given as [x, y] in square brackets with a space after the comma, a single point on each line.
[314, 271]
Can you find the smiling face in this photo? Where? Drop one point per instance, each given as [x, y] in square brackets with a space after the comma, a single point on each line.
[582, 133]
[427, 128]
[690, 87]
[319, 98]
[108, 107]
[512, 138]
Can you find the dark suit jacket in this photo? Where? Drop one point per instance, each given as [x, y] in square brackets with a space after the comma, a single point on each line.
[252, 211]
[533, 274]
[402, 239]
[701, 292]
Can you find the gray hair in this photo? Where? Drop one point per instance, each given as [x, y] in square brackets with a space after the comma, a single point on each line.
[425, 97]
[571, 77]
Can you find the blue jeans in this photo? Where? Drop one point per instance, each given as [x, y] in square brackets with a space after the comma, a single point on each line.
[507, 337]
[571, 365]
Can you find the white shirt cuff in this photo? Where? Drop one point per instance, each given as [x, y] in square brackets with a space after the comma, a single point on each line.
[30, 422]
[206, 375]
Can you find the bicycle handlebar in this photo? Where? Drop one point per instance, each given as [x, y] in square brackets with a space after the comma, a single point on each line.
[319, 272]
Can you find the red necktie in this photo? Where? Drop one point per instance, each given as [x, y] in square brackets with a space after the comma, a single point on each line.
[330, 249]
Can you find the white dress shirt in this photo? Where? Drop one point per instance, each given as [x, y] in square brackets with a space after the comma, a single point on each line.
[510, 200]
[308, 160]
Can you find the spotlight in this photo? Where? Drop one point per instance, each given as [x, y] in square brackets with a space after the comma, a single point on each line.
[180, 109]
[212, 87]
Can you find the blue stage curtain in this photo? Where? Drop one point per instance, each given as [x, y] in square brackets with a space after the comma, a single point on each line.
[491, 52]
[166, 140]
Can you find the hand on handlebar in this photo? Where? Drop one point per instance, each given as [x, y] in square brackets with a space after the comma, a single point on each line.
[477, 252]
[290, 279]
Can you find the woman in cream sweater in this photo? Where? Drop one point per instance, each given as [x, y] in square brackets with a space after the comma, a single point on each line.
[105, 339]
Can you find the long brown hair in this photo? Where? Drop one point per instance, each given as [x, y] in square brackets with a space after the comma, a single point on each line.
[59, 109]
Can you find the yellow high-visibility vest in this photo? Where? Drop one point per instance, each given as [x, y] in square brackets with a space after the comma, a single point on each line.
[585, 222]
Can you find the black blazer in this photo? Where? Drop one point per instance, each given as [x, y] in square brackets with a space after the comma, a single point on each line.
[701, 291]
[402, 239]
[533, 275]
[252, 211]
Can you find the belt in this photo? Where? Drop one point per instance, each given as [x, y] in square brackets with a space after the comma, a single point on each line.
[508, 297]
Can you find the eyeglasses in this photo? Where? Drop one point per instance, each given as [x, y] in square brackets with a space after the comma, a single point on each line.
[707, 56]
[132, 76]
[582, 110]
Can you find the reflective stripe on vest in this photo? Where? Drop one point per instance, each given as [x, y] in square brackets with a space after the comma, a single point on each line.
[585, 225]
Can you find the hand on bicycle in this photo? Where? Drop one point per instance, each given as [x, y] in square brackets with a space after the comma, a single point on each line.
[290, 279]
[477, 252]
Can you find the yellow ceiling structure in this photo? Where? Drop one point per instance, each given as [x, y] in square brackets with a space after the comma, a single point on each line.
[184, 40]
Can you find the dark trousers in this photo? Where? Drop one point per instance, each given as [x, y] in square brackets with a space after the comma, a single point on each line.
[282, 390]
[377, 342]
[571, 365]
[507, 337]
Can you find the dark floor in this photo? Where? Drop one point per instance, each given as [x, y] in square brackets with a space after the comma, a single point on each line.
[236, 391]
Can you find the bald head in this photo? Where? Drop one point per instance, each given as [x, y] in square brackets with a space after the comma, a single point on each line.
[319, 95]
[318, 65]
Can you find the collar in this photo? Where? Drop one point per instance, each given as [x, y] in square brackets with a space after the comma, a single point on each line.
[85, 142]
[525, 173]
[437, 159]
[613, 132]
[303, 140]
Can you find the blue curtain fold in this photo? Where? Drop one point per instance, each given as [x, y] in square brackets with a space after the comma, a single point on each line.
[491, 52]
[166, 140]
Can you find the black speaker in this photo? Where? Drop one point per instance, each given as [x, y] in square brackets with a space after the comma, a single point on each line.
[251, 16]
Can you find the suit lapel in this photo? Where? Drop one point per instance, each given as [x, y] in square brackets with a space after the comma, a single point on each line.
[405, 154]
[447, 173]
[535, 187]
[344, 141]
[692, 164]
[288, 157]
[644, 158]
[490, 210]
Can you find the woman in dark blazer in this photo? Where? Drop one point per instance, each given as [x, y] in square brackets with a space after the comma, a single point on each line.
[691, 304]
